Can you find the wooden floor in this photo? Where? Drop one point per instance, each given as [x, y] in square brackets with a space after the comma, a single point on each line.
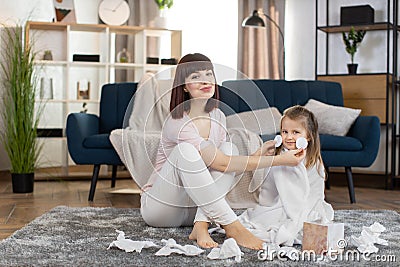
[16, 210]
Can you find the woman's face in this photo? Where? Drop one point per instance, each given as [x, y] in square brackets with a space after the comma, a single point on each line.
[200, 84]
[291, 130]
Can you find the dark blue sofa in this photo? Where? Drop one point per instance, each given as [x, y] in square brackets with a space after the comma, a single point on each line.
[358, 149]
[88, 134]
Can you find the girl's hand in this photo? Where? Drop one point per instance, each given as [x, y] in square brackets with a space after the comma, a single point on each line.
[291, 157]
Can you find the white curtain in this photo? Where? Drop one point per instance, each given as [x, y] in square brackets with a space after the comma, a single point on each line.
[261, 50]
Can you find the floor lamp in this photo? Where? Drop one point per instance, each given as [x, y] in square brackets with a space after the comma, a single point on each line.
[256, 21]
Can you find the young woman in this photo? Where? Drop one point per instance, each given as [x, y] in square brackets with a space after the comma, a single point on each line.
[195, 165]
[290, 196]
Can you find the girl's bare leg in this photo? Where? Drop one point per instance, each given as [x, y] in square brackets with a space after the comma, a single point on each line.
[201, 235]
[242, 236]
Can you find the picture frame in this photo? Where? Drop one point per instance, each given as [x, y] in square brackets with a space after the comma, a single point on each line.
[64, 11]
[83, 89]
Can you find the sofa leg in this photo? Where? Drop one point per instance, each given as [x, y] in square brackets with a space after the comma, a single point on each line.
[327, 180]
[350, 184]
[95, 176]
[114, 175]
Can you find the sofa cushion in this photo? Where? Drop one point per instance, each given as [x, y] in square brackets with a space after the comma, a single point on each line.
[98, 141]
[331, 119]
[340, 143]
[260, 121]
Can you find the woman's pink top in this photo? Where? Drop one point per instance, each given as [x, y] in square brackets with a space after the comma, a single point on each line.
[177, 131]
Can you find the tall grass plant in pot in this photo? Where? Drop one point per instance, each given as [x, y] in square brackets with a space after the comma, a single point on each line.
[20, 117]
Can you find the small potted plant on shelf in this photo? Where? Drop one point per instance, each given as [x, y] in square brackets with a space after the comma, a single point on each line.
[20, 116]
[352, 40]
[163, 6]
[47, 55]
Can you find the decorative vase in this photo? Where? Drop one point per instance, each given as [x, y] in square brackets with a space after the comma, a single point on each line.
[22, 182]
[123, 56]
[46, 88]
[161, 21]
[352, 68]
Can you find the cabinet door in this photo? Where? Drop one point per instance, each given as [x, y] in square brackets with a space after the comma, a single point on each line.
[365, 92]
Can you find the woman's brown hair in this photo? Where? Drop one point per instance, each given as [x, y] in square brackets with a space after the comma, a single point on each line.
[310, 123]
[187, 65]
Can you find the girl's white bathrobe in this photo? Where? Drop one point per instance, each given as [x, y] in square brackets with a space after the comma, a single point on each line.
[288, 197]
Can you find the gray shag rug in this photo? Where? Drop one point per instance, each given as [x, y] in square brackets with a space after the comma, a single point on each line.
[68, 236]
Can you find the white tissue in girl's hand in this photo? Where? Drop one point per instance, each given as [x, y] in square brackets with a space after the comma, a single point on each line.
[278, 141]
[301, 143]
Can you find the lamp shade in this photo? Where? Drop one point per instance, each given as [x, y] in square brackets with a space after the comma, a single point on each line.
[253, 21]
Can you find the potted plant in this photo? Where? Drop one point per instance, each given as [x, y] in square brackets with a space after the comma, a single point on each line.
[352, 40]
[47, 55]
[20, 117]
[163, 6]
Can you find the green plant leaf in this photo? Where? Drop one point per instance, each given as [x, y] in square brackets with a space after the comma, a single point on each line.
[164, 3]
[20, 116]
[352, 40]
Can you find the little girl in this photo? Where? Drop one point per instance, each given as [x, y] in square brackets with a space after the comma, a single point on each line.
[289, 196]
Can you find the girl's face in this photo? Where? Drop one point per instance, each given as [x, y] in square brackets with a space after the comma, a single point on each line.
[291, 130]
[200, 84]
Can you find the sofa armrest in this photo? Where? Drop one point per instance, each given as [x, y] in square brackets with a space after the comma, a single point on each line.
[80, 126]
[367, 130]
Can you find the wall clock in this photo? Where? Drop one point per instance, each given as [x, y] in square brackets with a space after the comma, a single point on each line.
[114, 12]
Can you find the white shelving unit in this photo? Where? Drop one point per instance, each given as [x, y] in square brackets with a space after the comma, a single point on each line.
[65, 40]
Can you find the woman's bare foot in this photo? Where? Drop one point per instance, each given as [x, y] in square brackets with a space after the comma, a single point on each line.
[201, 235]
[243, 236]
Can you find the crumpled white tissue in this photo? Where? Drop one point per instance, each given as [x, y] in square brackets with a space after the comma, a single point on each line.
[172, 247]
[228, 249]
[129, 245]
[370, 236]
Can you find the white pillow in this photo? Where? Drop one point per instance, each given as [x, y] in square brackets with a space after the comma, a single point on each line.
[260, 121]
[331, 119]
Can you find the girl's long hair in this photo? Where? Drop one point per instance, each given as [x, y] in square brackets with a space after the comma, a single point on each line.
[180, 100]
[310, 123]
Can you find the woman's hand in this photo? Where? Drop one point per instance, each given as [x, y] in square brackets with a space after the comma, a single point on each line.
[290, 158]
[267, 149]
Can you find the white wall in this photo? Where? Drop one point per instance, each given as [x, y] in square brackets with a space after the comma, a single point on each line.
[18, 11]
[208, 27]
[299, 39]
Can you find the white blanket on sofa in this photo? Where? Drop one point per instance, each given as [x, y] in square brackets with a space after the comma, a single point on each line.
[137, 143]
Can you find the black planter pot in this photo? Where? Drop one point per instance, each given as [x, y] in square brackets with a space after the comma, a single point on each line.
[22, 182]
[352, 68]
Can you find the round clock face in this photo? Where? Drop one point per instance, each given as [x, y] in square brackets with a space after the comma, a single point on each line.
[114, 12]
